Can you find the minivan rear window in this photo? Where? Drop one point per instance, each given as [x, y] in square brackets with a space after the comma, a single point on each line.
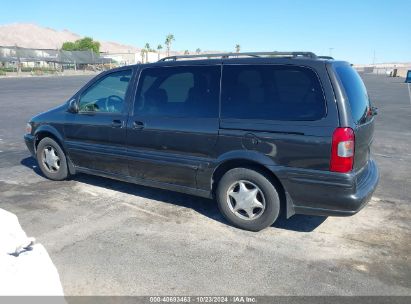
[356, 92]
[271, 92]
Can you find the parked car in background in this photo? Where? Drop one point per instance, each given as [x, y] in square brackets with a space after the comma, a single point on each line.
[262, 133]
[408, 77]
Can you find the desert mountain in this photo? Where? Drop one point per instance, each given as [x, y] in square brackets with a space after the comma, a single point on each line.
[34, 36]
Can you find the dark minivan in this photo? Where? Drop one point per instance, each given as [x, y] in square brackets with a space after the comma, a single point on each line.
[263, 133]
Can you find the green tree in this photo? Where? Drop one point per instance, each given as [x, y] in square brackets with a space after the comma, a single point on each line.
[68, 46]
[237, 48]
[198, 51]
[169, 40]
[186, 52]
[84, 44]
[159, 48]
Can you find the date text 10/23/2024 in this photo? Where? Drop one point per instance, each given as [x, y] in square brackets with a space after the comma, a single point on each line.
[203, 299]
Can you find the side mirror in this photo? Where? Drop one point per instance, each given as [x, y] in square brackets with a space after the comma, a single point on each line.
[73, 106]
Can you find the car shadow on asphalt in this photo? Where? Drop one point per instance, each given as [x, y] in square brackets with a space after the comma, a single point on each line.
[31, 163]
[206, 207]
[300, 223]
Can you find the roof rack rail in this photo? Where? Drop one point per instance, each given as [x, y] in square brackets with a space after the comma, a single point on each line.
[326, 57]
[248, 54]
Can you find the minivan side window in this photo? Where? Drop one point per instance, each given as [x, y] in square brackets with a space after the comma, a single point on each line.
[271, 92]
[188, 91]
[356, 93]
[107, 94]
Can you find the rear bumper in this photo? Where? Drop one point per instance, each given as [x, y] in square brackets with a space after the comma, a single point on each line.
[29, 140]
[330, 194]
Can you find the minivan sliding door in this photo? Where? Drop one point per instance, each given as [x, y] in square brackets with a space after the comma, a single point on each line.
[174, 125]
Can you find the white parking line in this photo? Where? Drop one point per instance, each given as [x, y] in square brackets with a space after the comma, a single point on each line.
[409, 91]
[90, 192]
[144, 210]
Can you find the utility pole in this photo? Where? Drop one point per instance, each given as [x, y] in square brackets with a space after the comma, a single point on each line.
[18, 58]
[373, 59]
[92, 56]
[42, 58]
[409, 91]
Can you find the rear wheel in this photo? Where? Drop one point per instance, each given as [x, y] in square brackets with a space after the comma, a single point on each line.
[51, 159]
[248, 199]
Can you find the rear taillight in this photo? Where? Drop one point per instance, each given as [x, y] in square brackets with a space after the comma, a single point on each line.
[342, 150]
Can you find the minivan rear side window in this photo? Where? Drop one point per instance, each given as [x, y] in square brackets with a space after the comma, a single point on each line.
[356, 92]
[271, 92]
[187, 91]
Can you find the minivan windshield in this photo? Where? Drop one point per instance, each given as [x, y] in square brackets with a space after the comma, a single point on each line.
[356, 92]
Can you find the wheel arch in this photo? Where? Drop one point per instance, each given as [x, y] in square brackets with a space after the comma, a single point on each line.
[48, 131]
[51, 132]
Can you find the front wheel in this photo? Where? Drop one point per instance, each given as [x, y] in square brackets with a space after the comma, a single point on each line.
[248, 199]
[51, 159]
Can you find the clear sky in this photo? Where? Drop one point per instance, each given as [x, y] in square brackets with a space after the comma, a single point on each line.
[353, 29]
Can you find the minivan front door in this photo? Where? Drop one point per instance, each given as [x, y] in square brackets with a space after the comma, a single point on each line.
[96, 134]
[174, 126]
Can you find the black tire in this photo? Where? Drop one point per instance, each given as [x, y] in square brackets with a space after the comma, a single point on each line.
[264, 216]
[58, 171]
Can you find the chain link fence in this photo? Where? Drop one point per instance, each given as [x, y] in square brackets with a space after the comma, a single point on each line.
[18, 59]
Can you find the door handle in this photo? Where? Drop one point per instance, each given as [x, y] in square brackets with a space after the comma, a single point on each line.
[138, 125]
[116, 123]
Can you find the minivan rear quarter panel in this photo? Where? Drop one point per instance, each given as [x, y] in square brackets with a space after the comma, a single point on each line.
[297, 152]
[300, 144]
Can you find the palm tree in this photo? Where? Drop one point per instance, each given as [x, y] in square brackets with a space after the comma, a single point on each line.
[169, 40]
[198, 51]
[147, 49]
[237, 48]
[142, 53]
[186, 52]
[159, 48]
